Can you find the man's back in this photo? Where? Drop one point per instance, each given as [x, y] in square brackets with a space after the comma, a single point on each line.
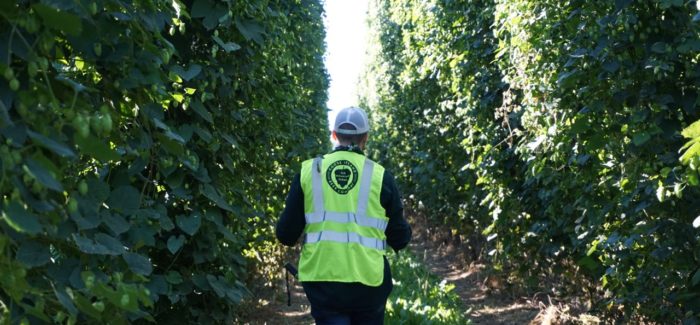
[345, 222]
[349, 210]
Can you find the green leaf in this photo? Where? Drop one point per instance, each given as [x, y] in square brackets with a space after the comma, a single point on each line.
[139, 264]
[621, 4]
[566, 79]
[55, 146]
[105, 292]
[202, 111]
[228, 235]
[77, 87]
[218, 285]
[159, 124]
[142, 235]
[16, 135]
[250, 30]
[98, 190]
[692, 131]
[90, 222]
[692, 152]
[157, 286]
[65, 299]
[235, 295]
[33, 254]
[640, 138]
[190, 224]
[204, 134]
[88, 246]
[96, 149]
[214, 215]
[114, 246]
[42, 175]
[167, 131]
[689, 46]
[228, 46]
[188, 74]
[665, 171]
[175, 243]
[49, 165]
[173, 277]
[209, 11]
[659, 47]
[85, 306]
[593, 248]
[230, 139]
[125, 199]
[166, 223]
[579, 53]
[173, 147]
[116, 223]
[174, 136]
[20, 219]
[665, 4]
[611, 66]
[211, 193]
[178, 97]
[151, 213]
[35, 310]
[58, 19]
[200, 280]
[202, 8]
[696, 278]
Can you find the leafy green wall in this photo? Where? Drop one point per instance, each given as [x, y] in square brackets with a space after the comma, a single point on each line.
[547, 134]
[145, 146]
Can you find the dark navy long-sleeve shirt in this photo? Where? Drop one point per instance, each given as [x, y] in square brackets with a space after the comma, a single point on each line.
[338, 295]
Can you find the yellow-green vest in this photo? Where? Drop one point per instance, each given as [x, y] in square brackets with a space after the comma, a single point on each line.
[344, 238]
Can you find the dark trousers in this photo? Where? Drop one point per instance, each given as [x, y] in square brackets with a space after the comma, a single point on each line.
[324, 316]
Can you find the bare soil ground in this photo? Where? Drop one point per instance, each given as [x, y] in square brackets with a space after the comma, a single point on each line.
[481, 294]
[271, 308]
[485, 296]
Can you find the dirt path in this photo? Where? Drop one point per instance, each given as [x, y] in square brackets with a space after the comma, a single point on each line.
[484, 296]
[273, 309]
[300, 310]
[479, 292]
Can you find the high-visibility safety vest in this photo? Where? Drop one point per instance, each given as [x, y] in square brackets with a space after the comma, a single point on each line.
[345, 221]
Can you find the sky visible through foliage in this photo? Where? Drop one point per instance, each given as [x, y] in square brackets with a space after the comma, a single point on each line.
[346, 39]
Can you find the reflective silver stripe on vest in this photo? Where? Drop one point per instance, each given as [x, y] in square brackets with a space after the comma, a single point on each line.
[346, 217]
[365, 188]
[317, 185]
[345, 237]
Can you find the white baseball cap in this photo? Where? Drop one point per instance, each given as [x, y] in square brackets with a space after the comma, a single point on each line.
[354, 116]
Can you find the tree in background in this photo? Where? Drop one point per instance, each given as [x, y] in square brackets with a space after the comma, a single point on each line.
[143, 151]
[548, 135]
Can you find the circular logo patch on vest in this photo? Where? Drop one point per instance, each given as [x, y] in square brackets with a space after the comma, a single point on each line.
[342, 176]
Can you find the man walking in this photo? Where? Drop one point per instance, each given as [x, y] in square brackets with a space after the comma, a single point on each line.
[349, 209]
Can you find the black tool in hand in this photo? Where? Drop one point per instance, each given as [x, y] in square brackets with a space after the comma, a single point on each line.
[289, 268]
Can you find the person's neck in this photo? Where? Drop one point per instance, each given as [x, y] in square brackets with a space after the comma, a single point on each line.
[349, 147]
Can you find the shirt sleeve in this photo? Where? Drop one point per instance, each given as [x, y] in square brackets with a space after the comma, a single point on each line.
[292, 222]
[398, 231]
